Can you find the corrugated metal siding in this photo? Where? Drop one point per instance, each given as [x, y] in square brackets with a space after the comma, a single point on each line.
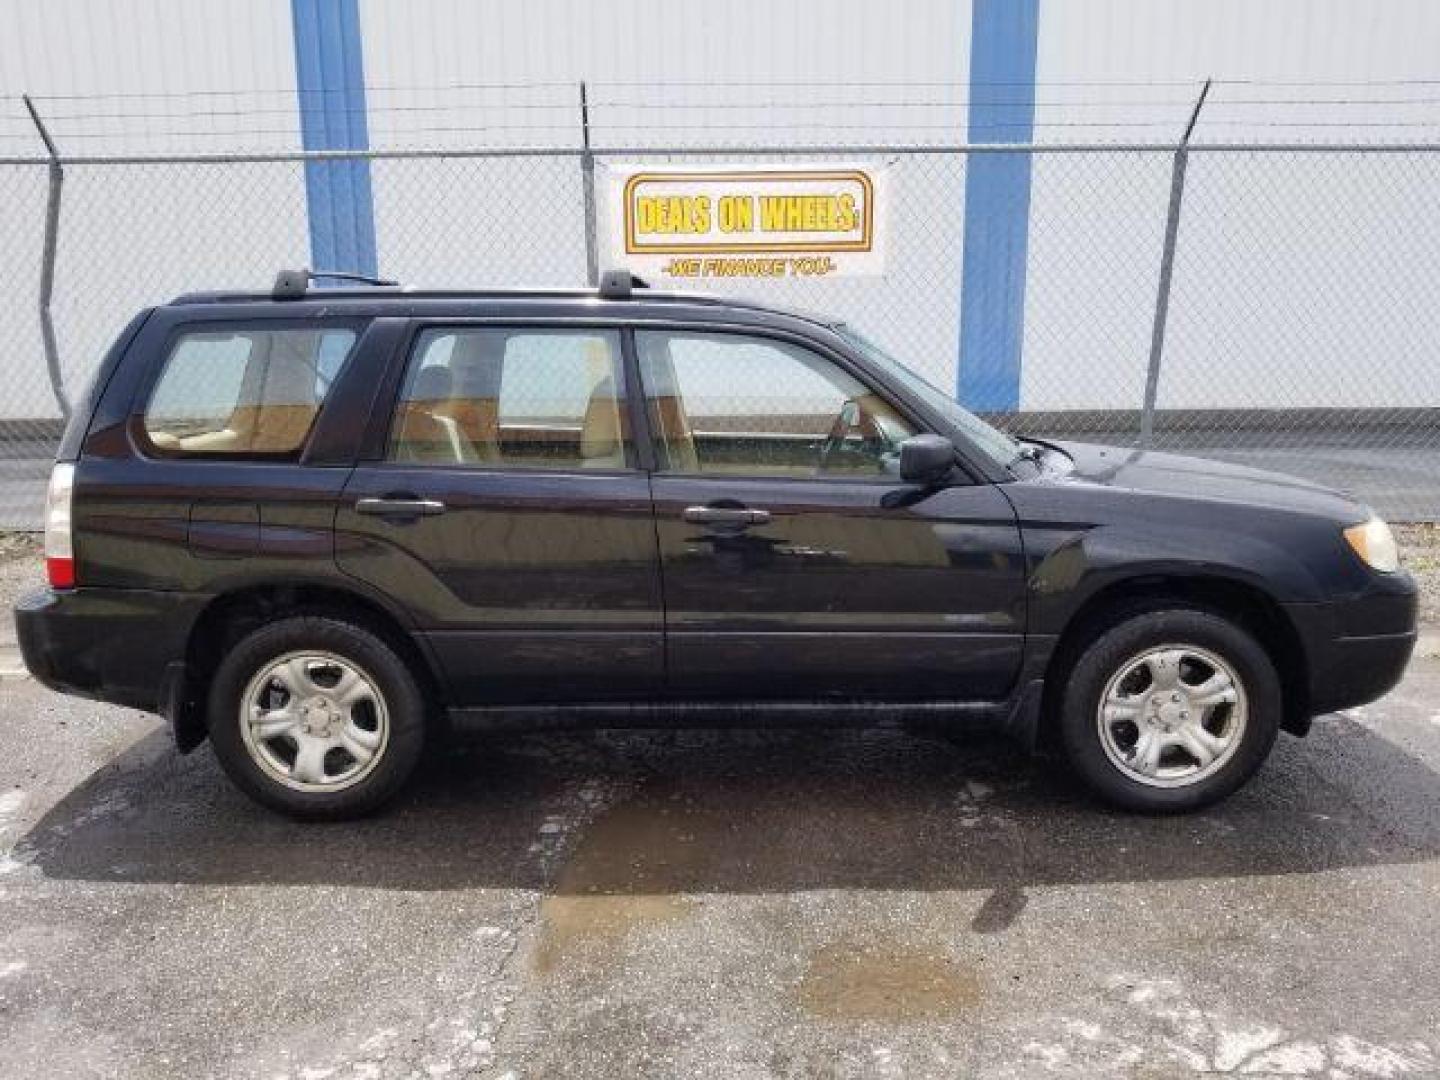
[143, 76]
[152, 75]
[1319, 284]
[663, 72]
[1286, 286]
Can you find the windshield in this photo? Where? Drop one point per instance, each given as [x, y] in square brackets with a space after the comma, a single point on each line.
[995, 444]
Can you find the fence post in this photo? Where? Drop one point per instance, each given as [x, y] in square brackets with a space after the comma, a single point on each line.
[47, 261]
[587, 183]
[1167, 267]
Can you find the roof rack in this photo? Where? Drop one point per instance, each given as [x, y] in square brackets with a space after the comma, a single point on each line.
[618, 284]
[614, 285]
[293, 284]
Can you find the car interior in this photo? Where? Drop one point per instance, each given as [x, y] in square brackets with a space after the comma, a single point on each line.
[470, 402]
[251, 393]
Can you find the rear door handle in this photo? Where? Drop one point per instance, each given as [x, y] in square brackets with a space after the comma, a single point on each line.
[399, 507]
[725, 515]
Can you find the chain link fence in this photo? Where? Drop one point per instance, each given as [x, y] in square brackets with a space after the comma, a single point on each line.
[1300, 334]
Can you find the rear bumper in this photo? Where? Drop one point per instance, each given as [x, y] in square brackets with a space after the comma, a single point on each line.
[1356, 649]
[115, 645]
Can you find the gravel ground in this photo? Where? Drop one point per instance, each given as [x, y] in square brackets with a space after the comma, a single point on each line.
[20, 555]
[798, 904]
[21, 569]
[1420, 553]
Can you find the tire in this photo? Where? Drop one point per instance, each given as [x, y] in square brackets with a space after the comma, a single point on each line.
[295, 707]
[1158, 674]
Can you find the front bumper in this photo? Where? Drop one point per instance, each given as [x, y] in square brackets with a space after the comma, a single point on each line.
[115, 645]
[1356, 649]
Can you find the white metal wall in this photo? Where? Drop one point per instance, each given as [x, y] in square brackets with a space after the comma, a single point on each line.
[451, 72]
[140, 76]
[1298, 279]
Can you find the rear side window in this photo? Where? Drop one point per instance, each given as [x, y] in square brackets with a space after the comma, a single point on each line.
[244, 392]
[514, 398]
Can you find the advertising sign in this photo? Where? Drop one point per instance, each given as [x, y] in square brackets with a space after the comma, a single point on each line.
[745, 221]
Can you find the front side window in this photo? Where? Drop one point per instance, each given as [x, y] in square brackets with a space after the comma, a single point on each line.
[244, 392]
[728, 404]
[509, 397]
[995, 444]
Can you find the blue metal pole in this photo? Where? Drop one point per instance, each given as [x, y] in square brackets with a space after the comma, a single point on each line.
[330, 80]
[1003, 36]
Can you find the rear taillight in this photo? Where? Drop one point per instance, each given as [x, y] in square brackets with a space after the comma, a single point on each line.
[59, 542]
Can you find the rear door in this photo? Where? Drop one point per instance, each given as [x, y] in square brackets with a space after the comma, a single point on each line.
[795, 562]
[504, 509]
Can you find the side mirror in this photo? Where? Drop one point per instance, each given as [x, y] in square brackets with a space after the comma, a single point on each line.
[926, 459]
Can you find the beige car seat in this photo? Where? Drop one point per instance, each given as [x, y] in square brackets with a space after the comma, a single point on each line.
[425, 431]
[602, 437]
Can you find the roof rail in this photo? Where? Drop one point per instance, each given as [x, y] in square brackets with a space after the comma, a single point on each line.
[293, 284]
[618, 284]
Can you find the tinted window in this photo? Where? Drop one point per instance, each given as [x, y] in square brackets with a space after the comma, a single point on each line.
[730, 404]
[513, 397]
[244, 393]
[995, 444]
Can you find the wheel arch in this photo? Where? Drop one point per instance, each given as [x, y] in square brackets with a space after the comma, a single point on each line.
[1242, 602]
[231, 615]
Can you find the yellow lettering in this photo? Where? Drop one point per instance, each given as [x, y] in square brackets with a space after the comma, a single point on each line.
[808, 213]
[645, 214]
[737, 213]
[671, 214]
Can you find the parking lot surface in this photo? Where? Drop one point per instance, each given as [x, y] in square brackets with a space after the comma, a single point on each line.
[732, 904]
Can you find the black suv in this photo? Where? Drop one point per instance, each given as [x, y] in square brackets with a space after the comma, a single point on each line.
[320, 526]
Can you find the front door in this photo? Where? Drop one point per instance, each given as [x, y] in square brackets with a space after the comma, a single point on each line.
[509, 519]
[793, 564]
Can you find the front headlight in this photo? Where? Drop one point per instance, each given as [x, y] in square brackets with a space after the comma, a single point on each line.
[1375, 544]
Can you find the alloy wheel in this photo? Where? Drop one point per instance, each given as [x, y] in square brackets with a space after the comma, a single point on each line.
[1172, 716]
[314, 721]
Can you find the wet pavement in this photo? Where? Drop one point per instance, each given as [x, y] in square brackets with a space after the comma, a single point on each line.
[726, 904]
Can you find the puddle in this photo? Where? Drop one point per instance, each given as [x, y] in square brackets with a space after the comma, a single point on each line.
[619, 880]
[646, 861]
[858, 982]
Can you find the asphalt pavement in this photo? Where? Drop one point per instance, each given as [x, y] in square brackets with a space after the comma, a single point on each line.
[701, 904]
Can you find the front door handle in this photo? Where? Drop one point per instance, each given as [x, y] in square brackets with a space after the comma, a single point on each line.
[399, 507]
[725, 515]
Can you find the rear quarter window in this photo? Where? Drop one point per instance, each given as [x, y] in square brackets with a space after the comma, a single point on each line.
[243, 392]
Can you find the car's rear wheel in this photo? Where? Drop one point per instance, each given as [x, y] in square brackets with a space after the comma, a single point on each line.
[1170, 710]
[316, 717]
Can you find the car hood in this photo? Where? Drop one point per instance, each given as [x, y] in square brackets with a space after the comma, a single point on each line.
[1202, 479]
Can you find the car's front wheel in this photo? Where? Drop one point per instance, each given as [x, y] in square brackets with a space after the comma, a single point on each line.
[1170, 710]
[316, 717]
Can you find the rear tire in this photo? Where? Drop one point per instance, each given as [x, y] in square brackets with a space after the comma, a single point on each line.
[1170, 710]
[316, 718]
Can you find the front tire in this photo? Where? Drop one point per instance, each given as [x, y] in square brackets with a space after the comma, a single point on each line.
[316, 718]
[1170, 710]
